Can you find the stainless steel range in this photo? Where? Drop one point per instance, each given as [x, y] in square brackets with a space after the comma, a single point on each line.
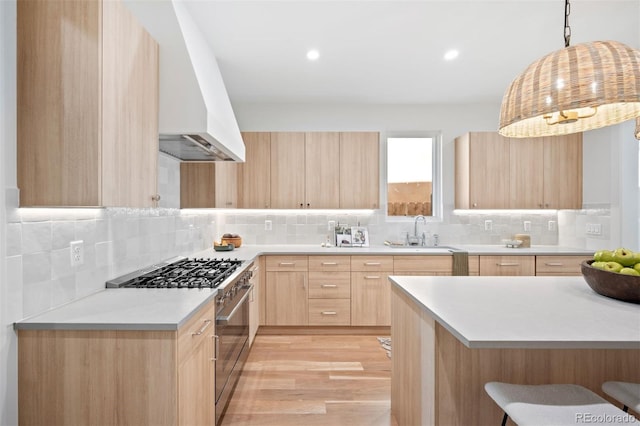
[232, 308]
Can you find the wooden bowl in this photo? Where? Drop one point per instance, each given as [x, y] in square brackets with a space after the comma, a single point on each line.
[237, 241]
[612, 284]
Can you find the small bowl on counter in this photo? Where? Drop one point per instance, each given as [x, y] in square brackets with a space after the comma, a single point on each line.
[611, 284]
[223, 246]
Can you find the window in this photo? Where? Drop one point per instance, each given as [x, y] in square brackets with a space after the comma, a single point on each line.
[413, 175]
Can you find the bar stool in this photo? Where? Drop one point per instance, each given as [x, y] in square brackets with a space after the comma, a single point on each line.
[553, 405]
[625, 392]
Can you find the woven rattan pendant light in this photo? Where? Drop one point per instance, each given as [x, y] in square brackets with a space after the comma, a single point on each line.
[578, 88]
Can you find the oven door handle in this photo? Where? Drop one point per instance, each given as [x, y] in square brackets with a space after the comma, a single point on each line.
[225, 320]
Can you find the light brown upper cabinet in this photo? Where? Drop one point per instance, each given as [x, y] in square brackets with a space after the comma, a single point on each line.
[287, 170]
[493, 172]
[305, 171]
[87, 78]
[298, 170]
[546, 173]
[197, 185]
[322, 170]
[254, 175]
[359, 170]
[482, 169]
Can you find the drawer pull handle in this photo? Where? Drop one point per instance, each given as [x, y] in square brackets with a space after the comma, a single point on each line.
[372, 263]
[372, 277]
[287, 263]
[507, 264]
[206, 325]
[329, 313]
[554, 263]
[329, 263]
[216, 345]
[328, 286]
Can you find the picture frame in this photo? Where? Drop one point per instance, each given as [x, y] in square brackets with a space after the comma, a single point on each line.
[359, 236]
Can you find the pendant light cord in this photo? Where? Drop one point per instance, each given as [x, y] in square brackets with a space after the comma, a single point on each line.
[567, 28]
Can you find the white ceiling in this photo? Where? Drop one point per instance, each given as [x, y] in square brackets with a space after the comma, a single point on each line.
[391, 51]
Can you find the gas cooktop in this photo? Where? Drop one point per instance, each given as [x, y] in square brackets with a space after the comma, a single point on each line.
[179, 273]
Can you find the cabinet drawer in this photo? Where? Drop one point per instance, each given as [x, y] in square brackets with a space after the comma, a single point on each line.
[330, 312]
[431, 264]
[560, 265]
[371, 263]
[329, 285]
[287, 263]
[196, 330]
[330, 263]
[508, 265]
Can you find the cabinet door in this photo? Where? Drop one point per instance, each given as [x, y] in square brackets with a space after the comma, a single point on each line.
[196, 369]
[508, 265]
[287, 170]
[370, 298]
[197, 185]
[560, 265]
[58, 103]
[129, 110]
[287, 298]
[489, 171]
[359, 170]
[423, 265]
[482, 171]
[254, 175]
[526, 173]
[322, 170]
[563, 172]
[226, 185]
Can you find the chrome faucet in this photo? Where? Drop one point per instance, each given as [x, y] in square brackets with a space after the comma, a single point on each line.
[415, 229]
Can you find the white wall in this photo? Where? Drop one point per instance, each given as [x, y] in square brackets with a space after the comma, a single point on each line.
[8, 344]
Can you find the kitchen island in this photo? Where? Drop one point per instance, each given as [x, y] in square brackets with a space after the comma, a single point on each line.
[451, 335]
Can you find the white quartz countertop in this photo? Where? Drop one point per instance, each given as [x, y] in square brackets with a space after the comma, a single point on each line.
[167, 309]
[250, 252]
[525, 312]
[124, 309]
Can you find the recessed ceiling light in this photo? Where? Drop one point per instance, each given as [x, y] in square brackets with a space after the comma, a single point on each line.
[313, 55]
[451, 55]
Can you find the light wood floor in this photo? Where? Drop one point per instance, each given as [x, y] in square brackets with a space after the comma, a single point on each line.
[313, 380]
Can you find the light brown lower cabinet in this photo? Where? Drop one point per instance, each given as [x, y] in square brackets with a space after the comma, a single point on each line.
[508, 265]
[287, 290]
[102, 377]
[560, 265]
[423, 265]
[370, 298]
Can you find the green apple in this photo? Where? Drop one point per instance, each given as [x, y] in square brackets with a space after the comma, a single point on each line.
[598, 265]
[629, 271]
[612, 266]
[603, 256]
[624, 256]
[637, 266]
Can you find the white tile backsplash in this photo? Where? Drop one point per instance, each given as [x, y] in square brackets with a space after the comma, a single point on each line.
[36, 237]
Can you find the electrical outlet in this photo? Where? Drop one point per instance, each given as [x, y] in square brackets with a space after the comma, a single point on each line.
[551, 225]
[268, 225]
[527, 226]
[77, 252]
[594, 229]
[331, 225]
[488, 225]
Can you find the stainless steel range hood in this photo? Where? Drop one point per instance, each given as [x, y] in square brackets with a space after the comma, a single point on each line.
[196, 120]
